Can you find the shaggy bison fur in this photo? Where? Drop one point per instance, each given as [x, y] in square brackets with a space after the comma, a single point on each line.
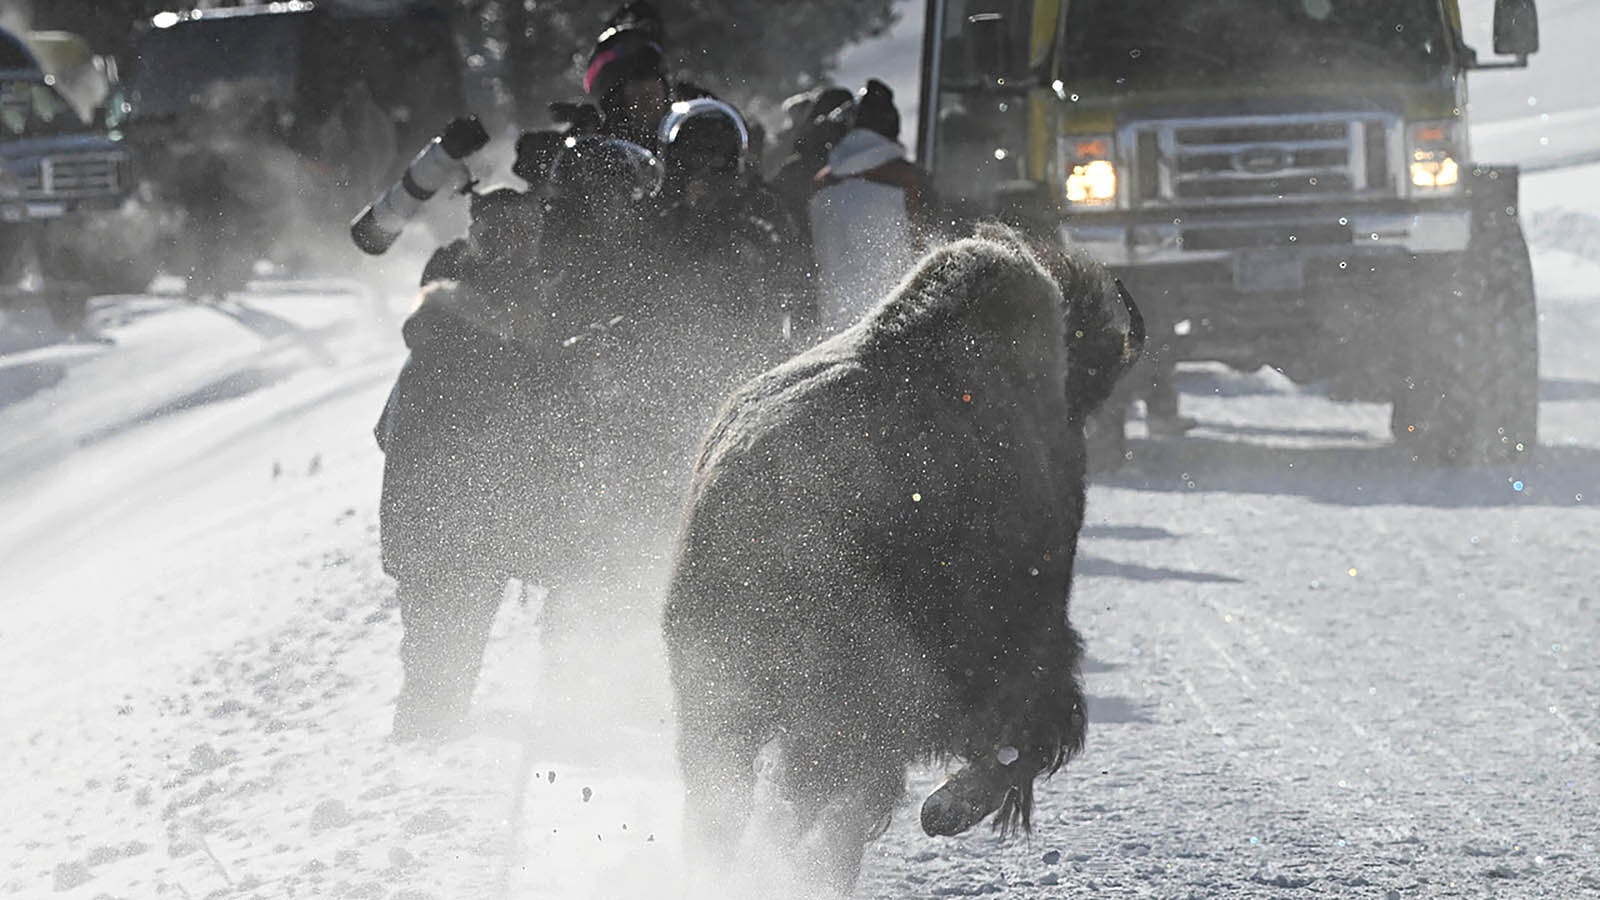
[878, 550]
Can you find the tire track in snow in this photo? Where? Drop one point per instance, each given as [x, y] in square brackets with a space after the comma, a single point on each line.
[1315, 716]
[1448, 819]
[1321, 713]
[1549, 701]
[1406, 794]
[1232, 815]
[1206, 712]
[1262, 650]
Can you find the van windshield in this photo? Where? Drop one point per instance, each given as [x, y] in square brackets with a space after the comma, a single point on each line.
[1250, 40]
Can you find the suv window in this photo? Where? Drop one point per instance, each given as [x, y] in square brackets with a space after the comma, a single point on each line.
[300, 65]
[35, 109]
[176, 64]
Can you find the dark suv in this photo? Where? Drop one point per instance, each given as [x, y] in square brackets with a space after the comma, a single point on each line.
[267, 127]
[61, 180]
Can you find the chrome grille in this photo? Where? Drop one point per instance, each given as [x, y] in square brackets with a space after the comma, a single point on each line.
[78, 175]
[1250, 159]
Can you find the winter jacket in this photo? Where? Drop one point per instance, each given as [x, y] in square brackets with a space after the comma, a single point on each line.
[864, 216]
[732, 274]
[450, 432]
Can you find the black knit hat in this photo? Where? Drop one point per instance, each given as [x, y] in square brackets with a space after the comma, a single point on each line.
[832, 109]
[875, 110]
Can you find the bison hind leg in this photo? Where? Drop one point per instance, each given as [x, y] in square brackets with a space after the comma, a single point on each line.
[842, 798]
[717, 756]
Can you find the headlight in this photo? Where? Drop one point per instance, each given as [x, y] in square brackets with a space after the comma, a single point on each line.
[1091, 176]
[11, 187]
[1435, 154]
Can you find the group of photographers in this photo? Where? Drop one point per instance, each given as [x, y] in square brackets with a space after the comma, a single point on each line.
[566, 352]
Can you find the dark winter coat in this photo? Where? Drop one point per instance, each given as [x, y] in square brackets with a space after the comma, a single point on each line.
[729, 283]
[447, 432]
[487, 424]
[513, 458]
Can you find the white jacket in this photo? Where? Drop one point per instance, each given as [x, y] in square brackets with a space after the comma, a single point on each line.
[861, 231]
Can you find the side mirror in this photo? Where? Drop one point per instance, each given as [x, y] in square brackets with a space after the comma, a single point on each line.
[986, 42]
[1516, 28]
[991, 50]
[111, 111]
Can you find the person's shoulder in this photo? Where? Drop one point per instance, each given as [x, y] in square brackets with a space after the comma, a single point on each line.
[683, 89]
[900, 173]
[448, 263]
[765, 204]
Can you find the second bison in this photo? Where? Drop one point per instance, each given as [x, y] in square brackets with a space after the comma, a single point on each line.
[878, 551]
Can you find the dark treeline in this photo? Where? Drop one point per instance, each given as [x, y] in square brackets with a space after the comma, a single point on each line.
[533, 50]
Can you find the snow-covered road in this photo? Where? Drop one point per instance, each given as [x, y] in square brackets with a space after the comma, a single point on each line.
[1317, 668]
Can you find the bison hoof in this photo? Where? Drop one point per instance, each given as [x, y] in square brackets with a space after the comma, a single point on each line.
[964, 800]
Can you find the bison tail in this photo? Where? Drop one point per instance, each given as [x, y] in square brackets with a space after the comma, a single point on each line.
[1015, 814]
[1016, 811]
[1060, 711]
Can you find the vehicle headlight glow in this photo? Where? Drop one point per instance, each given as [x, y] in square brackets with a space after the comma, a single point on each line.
[1434, 152]
[1093, 182]
[1091, 176]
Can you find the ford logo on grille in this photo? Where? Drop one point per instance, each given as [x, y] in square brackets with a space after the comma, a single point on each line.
[1261, 160]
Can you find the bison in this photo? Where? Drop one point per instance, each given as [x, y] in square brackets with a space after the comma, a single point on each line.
[877, 553]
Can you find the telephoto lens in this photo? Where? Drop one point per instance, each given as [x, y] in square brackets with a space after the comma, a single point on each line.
[439, 165]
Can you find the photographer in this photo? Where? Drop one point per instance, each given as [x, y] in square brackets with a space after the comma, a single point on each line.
[496, 430]
[451, 533]
[731, 256]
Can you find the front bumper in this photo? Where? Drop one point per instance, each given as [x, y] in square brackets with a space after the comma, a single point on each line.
[1294, 288]
[1168, 238]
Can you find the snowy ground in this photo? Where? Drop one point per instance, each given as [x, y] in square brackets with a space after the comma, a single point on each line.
[1317, 669]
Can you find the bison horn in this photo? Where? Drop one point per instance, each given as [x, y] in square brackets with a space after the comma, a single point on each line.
[1136, 333]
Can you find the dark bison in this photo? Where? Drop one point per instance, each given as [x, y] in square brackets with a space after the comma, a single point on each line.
[878, 550]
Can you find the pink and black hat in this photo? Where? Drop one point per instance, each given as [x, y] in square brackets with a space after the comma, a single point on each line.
[622, 54]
